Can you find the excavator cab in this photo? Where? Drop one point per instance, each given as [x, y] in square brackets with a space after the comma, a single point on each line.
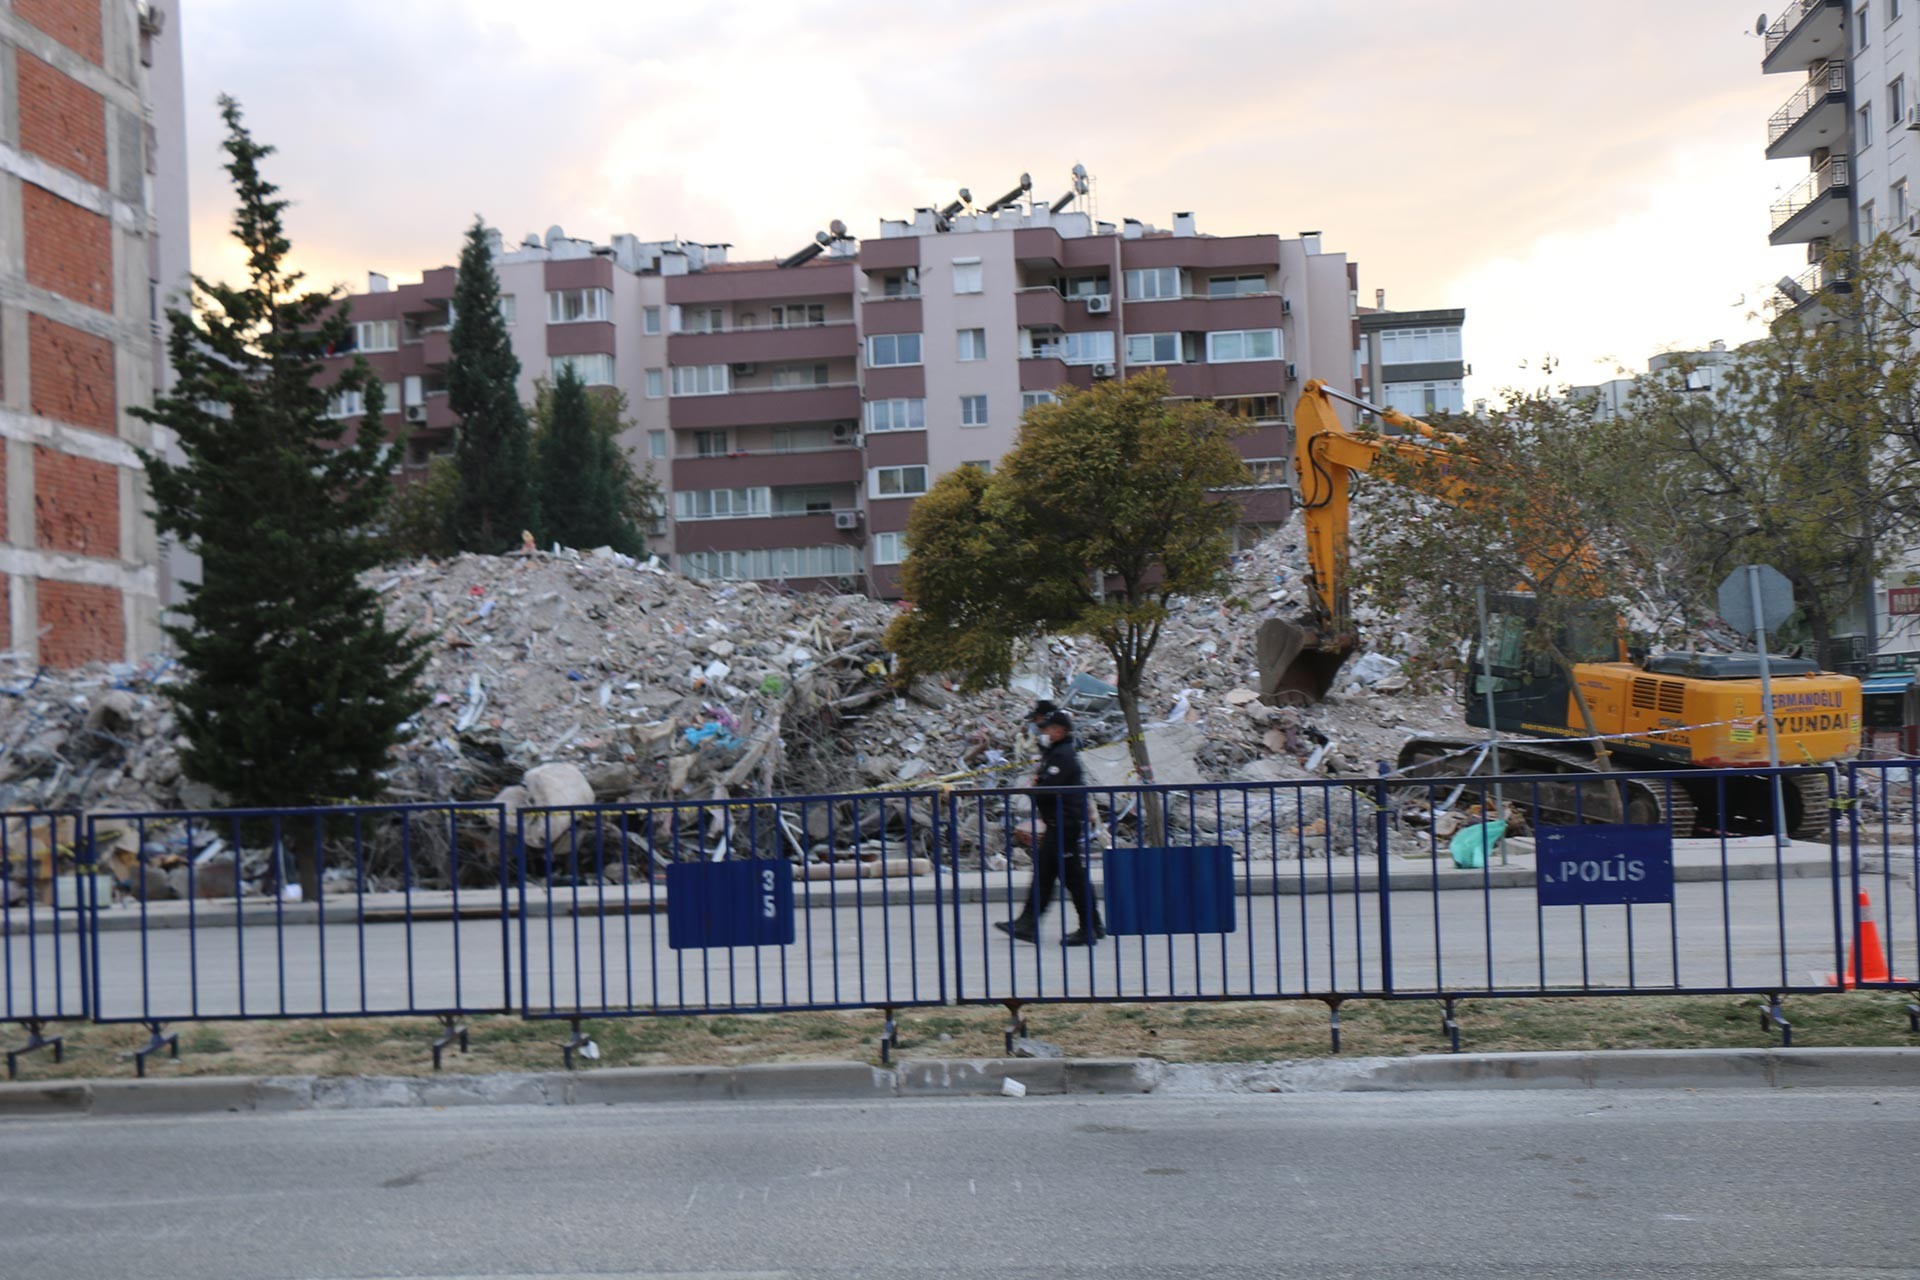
[1531, 689]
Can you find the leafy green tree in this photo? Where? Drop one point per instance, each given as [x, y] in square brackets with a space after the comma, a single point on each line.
[419, 520]
[1105, 510]
[295, 687]
[491, 446]
[588, 493]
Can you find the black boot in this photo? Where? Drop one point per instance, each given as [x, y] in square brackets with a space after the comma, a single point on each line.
[1086, 935]
[1020, 929]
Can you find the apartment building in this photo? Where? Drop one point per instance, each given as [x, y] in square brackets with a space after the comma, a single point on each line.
[92, 231]
[1413, 361]
[794, 408]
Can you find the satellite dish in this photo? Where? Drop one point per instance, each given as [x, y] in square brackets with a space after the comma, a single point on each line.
[555, 235]
[1760, 25]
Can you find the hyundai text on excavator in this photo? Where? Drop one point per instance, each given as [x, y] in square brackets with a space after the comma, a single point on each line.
[1671, 712]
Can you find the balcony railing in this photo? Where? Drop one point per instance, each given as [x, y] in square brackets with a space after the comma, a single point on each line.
[1813, 93]
[1789, 19]
[1816, 280]
[1830, 176]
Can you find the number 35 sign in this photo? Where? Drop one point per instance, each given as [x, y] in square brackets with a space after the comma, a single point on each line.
[745, 903]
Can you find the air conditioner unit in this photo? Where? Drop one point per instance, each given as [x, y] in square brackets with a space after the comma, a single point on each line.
[745, 370]
[846, 519]
[845, 432]
[416, 413]
[1103, 371]
[1913, 224]
[1099, 303]
[1913, 118]
[1286, 306]
[1293, 372]
[847, 584]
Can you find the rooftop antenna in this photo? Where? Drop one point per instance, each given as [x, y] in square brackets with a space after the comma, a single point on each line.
[1026, 185]
[1079, 188]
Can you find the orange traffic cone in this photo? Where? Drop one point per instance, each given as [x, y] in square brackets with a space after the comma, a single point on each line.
[1872, 963]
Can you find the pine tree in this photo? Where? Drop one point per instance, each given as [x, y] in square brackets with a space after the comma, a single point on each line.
[483, 389]
[295, 686]
[585, 486]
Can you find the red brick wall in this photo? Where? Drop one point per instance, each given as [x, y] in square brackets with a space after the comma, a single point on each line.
[69, 249]
[61, 121]
[74, 23]
[76, 504]
[80, 624]
[72, 374]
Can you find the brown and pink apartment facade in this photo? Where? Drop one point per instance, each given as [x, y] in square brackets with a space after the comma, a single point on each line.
[793, 409]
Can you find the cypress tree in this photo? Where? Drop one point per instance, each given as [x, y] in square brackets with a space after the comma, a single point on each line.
[585, 486]
[483, 376]
[295, 687]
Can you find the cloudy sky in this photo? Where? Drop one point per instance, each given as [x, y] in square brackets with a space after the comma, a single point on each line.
[1585, 178]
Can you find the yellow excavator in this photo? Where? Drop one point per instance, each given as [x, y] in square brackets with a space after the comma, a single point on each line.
[1676, 711]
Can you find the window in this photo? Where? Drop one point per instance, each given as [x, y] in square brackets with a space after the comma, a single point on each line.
[710, 444]
[897, 415]
[804, 500]
[721, 504]
[889, 548]
[1028, 399]
[973, 344]
[1419, 346]
[783, 562]
[1268, 471]
[700, 380]
[887, 349]
[799, 315]
[973, 411]
[1426, 397]
[376, 335]
[966, 275]
[573, 306]
[698, 319]
[1867, 230]
[1153, 282]
[390, 397]
[1235, 286]
[656, 384]
[905, 285]
[1084, 286]
[1230, 345]
[347, 404]
[594, 370]
[1860, 27]
[1863, 134]
[650, 320]
[1897, 102]
[1893, 11]
[656, 444]
[897, 482]
[1087, 348]
[982, 465]
[800, 375]
[1257, 408]
[509, 309]
[1153, 348]
[800, 439]
[1897, 207]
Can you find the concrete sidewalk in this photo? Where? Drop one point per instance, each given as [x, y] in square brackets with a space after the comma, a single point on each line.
[945, 1078]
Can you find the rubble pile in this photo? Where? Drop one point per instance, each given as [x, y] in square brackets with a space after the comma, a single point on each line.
[568, 678]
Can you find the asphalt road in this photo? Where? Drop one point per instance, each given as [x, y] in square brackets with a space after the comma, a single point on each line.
[1541, 1185]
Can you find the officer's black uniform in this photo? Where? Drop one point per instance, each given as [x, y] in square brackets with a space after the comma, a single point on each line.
[1060, 844]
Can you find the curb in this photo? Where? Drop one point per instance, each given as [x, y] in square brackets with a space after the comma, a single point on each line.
[1879, 1068]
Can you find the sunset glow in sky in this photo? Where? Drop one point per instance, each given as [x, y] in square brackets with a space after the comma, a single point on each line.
[1586, 179]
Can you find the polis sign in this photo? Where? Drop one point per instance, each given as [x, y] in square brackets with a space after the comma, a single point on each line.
[1608, 865]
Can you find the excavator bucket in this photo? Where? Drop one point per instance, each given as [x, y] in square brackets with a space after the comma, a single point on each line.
[1297, 664]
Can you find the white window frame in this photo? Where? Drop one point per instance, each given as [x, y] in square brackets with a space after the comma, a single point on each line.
[1089, 346]
[903, 414]
[1420, 346]
[877, 479]
[805, 373]
[749, 503]
[656, 384]
[973, 410]
[1238, 279]
[1028, 399]
[1217, 340]
[376, 335]
[656, 444]
[650, 321]
[892, 342]
[348, 402]
[802, 439]
[592, 305]
[1899, 205]
[708, 435]
[970, 344]
[1153, 341]
[701, 380]
[983, 465]
[1427, 396]
[890, 548]
[778, 563]
[594, 367]
[509, 308]
[1897, 101]
[1152, 284]
[710, 319]
[968, 276]
[1863, 134]
[812, 315]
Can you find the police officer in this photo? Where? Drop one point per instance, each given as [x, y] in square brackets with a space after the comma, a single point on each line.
[1059, 848]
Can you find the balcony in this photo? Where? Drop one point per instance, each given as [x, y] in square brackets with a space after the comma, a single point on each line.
[1806, 32]
[765, 344]
[436, 344]
[821, 278]
[769, 467]
[1196, 313]
[838, 402]
[440, 414]
[891, 315]
[1814, 119]
[1234, 378]
[1045, 372]
[748, 533]
[1041, 307]
[1814, 209]
[1815, 286]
